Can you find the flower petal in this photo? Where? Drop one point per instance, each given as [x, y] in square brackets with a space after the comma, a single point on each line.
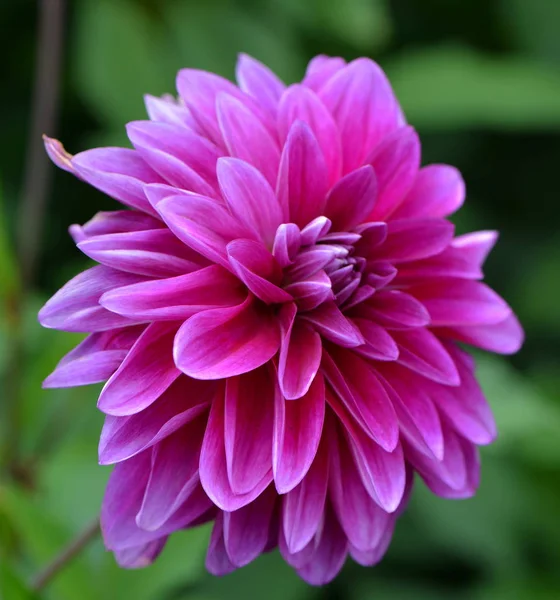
[260, 82]
[334, 326]
[224, 342]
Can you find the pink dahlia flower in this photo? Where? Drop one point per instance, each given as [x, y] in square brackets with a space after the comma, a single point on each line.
[277, 316]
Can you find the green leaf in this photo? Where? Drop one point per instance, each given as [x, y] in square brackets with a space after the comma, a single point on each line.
[119, 55]
[449, 87]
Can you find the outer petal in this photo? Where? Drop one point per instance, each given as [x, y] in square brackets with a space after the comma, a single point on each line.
[75, 307]
[298, 426]
[260, 82]
[176, 298]
[320, 69]
[146, 373]
[224, 342]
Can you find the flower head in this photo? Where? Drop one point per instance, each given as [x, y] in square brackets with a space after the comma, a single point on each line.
[277, 316]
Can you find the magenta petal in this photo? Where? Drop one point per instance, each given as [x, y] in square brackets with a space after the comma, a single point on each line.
[394, 310]
[183, 401]
[250, 198]
[217, 559]
[438, 191]
[213, 464]
[93, 367]
[382, 473]
[246, 529]
[302, 178]
[248, 427]
[119, 172]
[168, 110]
[140, 556]
[303, 506]
[300, 103]
[224, 342]
[311, 292]
[396, 162]
[352, 198]
[329, 554]
[257, 269]
[298, 426]
[176, 298]
[362, 520]
[247, 138]
[173, 476]
[287, 243]
[146, 372]
[202, 224]
[461, 302]
[152, 253]
[259, 82]
[300, 356]
[415, 238]
[356, 384]
[379, 345]
[333, 325]
[320, 69]
[75, 307]
[505, 337]
[418, 418]
[60, 157]
[422, 352]
[118, 221]
[364, 107]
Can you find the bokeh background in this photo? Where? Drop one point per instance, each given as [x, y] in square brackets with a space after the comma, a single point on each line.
[480, 79]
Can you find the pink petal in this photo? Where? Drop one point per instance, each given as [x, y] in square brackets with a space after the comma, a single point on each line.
[363, 395]
[260, 82]
[202, 224]
[246, 529]
[287, 242]
[140, 556]
[329, 553]
[146, 373]
[505, 337]
[302, 178]
[297, 432]
[303, 506]
[311, 292]
[60, 157]
[315, 229]
[394, 310]
[153, 253]
[225, 342]
[119, 172]
[250, 198]
[422, 352]
[179, 155]
[300, 355]
[461, 302]
[183, 401]
[415, 238]
[396, 162]
[329, 321]
[247, 138]
[117, 221]
[438, 191]
[362, 520]
[352, 199]
[176, 298]
[382, 473]
[364, 107]
[320, 69]
[75, 307]
[173, 477]
[300, 103]
[248, 426]
[168, 110]
[379, 345]
[213, 464]
[217, 559]
[418, 418]
[463, 258]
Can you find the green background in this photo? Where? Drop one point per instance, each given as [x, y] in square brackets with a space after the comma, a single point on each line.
[480, 80]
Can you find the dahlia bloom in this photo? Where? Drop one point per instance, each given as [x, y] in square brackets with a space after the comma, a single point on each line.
[276, 315]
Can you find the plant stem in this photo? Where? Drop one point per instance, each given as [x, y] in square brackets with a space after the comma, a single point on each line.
[66, 555]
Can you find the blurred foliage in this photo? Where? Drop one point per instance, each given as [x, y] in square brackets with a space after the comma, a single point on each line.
[480, 79]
